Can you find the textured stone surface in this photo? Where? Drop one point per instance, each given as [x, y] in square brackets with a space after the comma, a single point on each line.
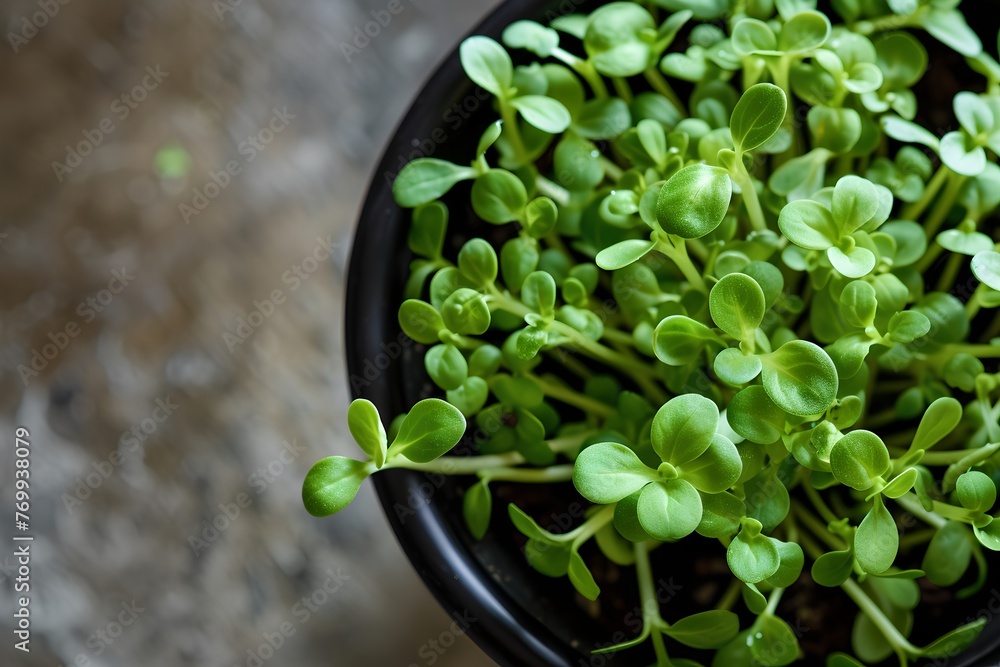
[224, 69]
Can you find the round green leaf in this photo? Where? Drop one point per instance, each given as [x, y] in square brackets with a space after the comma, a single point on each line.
[531, 36]
[694, 201]
[623, 253]
[626, 519]
[683, 428]
[465, 312]
[679, 340]
[604, 473]
[721, 514]
[855, 202]
[420, 321]
[854, 263]
[908, 325]
[774, 644]
[808, 224]
[518, 258]
[425, 179]
[429, 430]
[966, 243]
[616, 39]
[669, 510]
[800, 378]
[717, 468]
[767, 499]
[976, 491]
[332, 483]
[858, 458]
[949, 26]
[736, 368]
[858, 303]
[545, 113]
[962, 155]
[792, 560]
[477, 261]
[948, 554]
[832, 569]
[498, 196]
[752, 557]
[753, 415]
[446, 366]
[471, 396]
[709, 629]
[940, 419]
[477, 506]
[367, 430]
[908, 132]
[752, 36]
[804, 32]
[427, 230]
[581, 578]
[549, 558]
[737, 305]
[487, 64]
[757, 116]
[877, 539]
[603, 118]
[902, 59]
[989, 535]
[540, 216]
[986, 267]
[539, 293]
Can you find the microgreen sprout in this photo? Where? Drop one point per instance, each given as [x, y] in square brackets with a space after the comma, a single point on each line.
[742, 299]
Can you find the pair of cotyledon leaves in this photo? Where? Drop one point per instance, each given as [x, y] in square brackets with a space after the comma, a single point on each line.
[664, 503]
[428, 431]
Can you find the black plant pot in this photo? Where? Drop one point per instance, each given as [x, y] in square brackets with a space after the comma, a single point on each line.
[517, 616]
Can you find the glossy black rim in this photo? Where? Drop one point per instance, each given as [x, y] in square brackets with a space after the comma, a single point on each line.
[381, 365]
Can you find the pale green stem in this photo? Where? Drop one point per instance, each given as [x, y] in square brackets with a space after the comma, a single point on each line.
[916, 209]
[509, 115]
[553, 190]
[622, 88]
[878, 617]
[951, 269]
[572, 397]
[678, 254]
[550, 475]
[589, 528]
[911, 504]
[749, 193]
[817, 528]
[944, 205]
[611, 168]
[981, 351]
[590, 348]
[817, 500]
[663, 87]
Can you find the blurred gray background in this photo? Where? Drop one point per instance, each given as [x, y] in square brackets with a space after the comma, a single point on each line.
[167, 166]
